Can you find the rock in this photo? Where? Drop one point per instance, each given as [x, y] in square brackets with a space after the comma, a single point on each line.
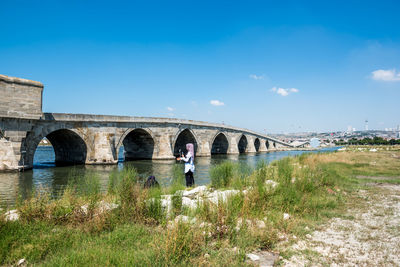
[206, 255]
[286, 216]
[181, 219]
[293, 180]
[204, 224]
[21, 262]
[215, 196]
[84, 208]
[282, 237]
[195, 191]
[263, 258]
[105, 206]
[185, 219]
[187, 202]
[166, 203]
[253, 257]
[272, 184]
[260, 224]
[12, 215]
[373, 150]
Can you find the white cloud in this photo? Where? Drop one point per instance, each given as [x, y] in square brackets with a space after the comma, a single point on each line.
[217, 103]
[257, 77]
[170, 109]
[386, 75]
[283, 91]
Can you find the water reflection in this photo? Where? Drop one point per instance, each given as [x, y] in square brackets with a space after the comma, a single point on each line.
[46, 175]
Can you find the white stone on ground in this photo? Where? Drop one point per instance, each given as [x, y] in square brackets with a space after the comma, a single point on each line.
[272, 184]
[215, 196]
[195, 191]
[286, 216]
[253, 257]
[21, 262]
[12, 215]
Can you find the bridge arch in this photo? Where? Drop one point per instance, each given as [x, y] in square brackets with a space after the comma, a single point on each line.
[138, 143]
[242, 144]
[182, 138]
[257, 144]
[220, 144]
[69, 146]
[267, 144]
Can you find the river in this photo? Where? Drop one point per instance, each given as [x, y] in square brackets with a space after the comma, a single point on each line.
[45, 175]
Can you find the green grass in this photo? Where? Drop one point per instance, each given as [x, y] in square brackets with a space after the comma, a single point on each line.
[311, 188]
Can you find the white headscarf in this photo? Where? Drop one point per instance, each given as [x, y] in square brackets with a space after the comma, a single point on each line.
[190, 148]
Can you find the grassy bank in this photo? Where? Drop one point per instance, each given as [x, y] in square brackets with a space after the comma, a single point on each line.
[274, 204]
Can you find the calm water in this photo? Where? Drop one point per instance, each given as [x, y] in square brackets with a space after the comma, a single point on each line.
[45, 174]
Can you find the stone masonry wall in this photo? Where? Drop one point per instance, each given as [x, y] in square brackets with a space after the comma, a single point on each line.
[20, 98]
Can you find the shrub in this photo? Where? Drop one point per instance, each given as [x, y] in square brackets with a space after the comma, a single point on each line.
[180, 245]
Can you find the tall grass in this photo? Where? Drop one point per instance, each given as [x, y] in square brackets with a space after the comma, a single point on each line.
[178, 181]
[222, 174]
[230, 174]
[57, 232]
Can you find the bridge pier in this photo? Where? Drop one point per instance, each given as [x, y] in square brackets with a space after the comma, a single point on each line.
[233, 139]
[101, 147]
[263, 146]
[250, 144]
[164, 147]
[271, 146]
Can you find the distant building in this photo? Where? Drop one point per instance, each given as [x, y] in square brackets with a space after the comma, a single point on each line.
[349, 129]
[315, 142]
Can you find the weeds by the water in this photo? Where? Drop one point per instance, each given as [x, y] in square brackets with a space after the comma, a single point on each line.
[230, 174]
[308, 187]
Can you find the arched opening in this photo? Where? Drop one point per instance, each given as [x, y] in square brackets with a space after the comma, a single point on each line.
[184, 138]
[267, 144]
[44, 155]
[242, 145]
[61, 147]
[274, 145]
[220, 144]
[257, 144]
[138, 144]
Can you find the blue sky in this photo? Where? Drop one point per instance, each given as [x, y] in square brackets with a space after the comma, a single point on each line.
[275, 66]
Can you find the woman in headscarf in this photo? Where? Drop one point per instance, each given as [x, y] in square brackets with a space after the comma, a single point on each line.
[189, 164]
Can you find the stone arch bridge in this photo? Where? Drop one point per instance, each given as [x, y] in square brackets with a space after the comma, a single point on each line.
[97, 139]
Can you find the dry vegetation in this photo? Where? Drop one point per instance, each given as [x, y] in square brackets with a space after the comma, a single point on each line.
[83, 228]
[366, 233]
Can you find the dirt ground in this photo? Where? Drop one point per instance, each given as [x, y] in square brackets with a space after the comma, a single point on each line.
[368, 235]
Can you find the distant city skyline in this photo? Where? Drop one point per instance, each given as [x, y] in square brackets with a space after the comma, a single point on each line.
[263, 65]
